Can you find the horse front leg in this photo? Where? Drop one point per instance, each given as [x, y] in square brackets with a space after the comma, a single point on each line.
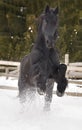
[61, 80]
[41, 83]
[22, 90]
[49, 92]
[22, 84]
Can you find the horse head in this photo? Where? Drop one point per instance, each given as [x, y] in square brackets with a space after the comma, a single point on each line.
[49, 25]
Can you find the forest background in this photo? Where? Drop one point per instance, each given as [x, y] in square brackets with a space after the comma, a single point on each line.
[18, 27]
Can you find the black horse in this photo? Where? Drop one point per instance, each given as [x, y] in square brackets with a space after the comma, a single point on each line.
[41, 68]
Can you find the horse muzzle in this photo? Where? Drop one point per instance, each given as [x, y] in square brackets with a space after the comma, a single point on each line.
[50, 44]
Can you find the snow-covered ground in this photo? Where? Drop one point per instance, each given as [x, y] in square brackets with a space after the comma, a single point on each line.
[65, 114]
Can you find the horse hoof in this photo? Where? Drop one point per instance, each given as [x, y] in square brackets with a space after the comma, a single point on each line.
[40, 91]
[59, 94]
[46, 109]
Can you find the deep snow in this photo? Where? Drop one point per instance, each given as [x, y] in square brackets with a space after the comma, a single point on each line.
[65, 114]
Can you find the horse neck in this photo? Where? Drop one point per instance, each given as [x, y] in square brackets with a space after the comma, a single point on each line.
[40, 41]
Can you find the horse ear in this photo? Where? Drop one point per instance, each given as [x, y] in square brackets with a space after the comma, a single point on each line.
[47, 9]
[56, 10]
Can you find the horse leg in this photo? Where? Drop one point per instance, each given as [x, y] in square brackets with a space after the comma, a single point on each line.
[41, 84]
[61, 80]
[22, 91]
[49, 92]
[22, 83]
[26, 92]
[23, 78]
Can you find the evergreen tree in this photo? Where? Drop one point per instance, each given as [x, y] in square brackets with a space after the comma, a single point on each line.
[69, 29]
[18, 21]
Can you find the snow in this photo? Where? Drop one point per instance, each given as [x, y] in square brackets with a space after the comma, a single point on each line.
[65, 113]
[10, 82]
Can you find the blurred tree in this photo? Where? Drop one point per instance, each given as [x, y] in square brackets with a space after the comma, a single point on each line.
[18, 20]
[69, 29]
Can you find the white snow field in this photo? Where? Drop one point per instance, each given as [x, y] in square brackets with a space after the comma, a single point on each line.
[65, 113]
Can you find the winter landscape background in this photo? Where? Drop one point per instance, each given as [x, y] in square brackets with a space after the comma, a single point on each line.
[65, 114]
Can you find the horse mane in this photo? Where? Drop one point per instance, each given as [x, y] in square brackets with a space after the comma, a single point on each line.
[40, 19]
[39, 37]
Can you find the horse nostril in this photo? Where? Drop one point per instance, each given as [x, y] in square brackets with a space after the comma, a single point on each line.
[47, 42]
